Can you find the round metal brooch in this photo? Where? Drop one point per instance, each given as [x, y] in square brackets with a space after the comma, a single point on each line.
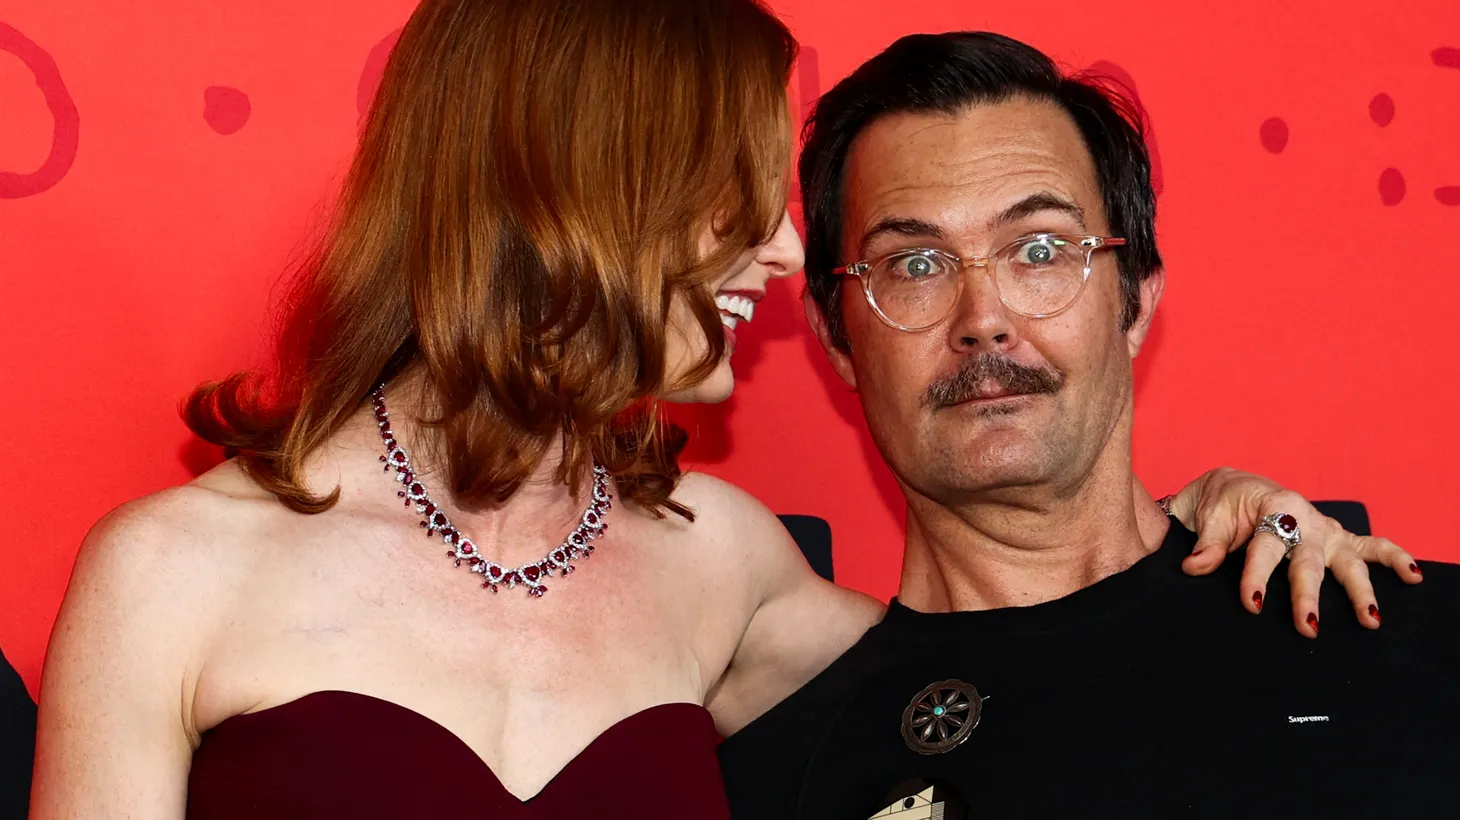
[941, 717]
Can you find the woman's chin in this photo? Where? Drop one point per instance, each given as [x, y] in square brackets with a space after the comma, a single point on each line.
[713, 390]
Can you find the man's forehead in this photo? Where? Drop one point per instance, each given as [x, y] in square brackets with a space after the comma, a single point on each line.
[962, 169]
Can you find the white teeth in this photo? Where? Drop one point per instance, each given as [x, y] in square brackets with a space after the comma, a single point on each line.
[728, 321]
[740, 306]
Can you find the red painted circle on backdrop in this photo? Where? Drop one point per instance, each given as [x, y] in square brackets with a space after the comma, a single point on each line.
[807, 79]
[1105, 68]
[373, 70]
[66, 131]
[1381, 109]
[1274, 134]
[1391, 186]
[225, 109]
[1448, 195]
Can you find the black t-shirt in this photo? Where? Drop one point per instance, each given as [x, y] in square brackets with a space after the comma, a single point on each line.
[1148, 694]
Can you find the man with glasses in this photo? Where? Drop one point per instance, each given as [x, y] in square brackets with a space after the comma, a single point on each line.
[982, 269]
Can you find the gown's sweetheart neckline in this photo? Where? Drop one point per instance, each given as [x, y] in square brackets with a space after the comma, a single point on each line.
[282, 710]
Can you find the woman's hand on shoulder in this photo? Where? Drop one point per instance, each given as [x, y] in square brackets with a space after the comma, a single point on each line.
[1227, 509]
[798, 622]
[115, 738]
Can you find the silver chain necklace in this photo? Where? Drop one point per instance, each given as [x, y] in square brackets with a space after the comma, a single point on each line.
[578, 544]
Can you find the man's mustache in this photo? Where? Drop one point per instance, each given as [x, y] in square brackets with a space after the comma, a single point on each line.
[1013, 377]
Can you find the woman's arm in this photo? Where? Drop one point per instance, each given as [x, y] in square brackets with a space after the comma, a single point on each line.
[114, 738]
[788, 623]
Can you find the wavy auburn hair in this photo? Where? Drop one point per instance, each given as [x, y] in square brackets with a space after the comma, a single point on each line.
[528, 197]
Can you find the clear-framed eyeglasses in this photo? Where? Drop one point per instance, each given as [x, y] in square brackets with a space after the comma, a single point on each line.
[1037, 275]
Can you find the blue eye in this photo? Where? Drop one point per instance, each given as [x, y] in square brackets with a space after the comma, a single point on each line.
[1040, 251]
[916, 266]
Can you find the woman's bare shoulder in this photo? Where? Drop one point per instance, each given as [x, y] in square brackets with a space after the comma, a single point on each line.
[175, 540]
[730, 516]
[152, 586]
[750, 535]
[797, 622]
[713, 497]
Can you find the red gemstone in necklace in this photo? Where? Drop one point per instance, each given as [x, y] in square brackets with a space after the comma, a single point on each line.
[578, 544]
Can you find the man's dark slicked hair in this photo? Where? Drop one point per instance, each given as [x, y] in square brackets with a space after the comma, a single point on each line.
[947, 74]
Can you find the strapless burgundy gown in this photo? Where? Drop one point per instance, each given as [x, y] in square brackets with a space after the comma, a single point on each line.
[345, 755]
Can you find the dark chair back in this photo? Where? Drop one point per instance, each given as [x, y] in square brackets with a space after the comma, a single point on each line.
[813, 535]
[1351, 515]
[17, 743]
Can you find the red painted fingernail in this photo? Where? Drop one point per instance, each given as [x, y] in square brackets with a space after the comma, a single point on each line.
[1257, 599]
[1313, 622]
[1414, 568]
[1374, 612]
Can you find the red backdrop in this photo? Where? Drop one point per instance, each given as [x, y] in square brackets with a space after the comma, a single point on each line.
[161, 163]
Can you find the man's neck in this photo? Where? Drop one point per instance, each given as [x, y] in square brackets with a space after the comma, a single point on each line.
[1026, 548]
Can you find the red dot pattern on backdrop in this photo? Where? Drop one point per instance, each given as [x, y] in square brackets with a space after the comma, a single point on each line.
[225, 109]
[1391, 181]
[1274, 134]
[1391, 186]
[1446, 57]
[1381, 110]
[66, 130]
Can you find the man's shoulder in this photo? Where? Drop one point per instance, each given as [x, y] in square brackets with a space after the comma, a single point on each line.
[1446, 572]
[1434, 602]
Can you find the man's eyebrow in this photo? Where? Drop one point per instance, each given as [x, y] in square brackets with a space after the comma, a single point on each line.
[901, 227]
[1028, 206]
[1037, 203]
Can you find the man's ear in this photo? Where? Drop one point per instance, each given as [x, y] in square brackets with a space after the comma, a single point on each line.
[1150, 289]
[840, 360]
